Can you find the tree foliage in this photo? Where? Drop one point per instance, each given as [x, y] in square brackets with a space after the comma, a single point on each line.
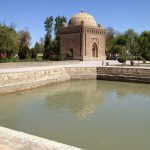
[148, 56]
[48, 24]
[24, 53]
[59, 20]
[129, 42]
[8, 41]
[24, 39]
[122, 59]
[52, 46]
[24, 43]
[144, 43]
[59, 23]
[39, 47]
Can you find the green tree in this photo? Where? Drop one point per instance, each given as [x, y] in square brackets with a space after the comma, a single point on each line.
[111, 35]
[144, 43]
[24, 53]
[148, 56]
[24, 39]
[39, 47]
[33, 53]
[118, 45]
[121, 41]
[48, 24]
[132, 42]
[24, 43]
[115, 49]
[59, 23]
[58, 45]
[8, 41]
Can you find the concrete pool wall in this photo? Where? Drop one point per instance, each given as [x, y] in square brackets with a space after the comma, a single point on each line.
[27, 78]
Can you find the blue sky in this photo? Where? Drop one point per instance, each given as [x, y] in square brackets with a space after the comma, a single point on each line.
[119, 14]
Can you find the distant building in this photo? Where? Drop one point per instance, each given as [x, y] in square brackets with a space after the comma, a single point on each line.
[83, 38]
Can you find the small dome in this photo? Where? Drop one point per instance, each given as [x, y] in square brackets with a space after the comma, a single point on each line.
[77, 19]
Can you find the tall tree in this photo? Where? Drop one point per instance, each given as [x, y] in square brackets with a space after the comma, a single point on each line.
[24, 39]
[39, 47]
[48, 24]
[8, 41]
[59, 20]
[144, 42]
[24, 43]
[132, 42]
[118, 45]
[59, 23]
[111, 34]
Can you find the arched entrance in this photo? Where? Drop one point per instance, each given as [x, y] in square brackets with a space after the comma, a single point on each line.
[94, 50]
[69, 53]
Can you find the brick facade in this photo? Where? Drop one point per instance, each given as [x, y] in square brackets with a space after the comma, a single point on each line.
[87, 42]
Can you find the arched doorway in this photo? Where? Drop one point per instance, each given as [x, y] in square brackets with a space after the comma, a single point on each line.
[94, 50]
[69, 53]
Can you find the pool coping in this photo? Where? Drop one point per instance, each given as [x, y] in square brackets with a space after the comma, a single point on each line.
[15, 140]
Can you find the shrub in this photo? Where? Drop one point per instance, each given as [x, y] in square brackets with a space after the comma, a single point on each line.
[122, 59]
[15, 59]
[4, 60]
[59, 58]
[68, 54]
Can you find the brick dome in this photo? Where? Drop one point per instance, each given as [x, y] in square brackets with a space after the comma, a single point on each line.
[82, 17]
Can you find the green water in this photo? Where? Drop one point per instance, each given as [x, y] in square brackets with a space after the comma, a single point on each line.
[93, 115]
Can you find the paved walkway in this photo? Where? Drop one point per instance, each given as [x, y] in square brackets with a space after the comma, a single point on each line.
[33, 66]
[22, 141]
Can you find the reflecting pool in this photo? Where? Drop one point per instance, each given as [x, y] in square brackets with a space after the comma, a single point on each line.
[90, 114]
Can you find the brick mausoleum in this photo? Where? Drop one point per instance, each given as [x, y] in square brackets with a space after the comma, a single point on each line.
[83, 38]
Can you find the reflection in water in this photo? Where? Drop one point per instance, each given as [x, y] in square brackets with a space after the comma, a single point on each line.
[99, 115]
[122, 89]
[80, 99]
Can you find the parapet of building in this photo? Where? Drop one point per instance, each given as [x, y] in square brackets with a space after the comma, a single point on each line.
[83, 38]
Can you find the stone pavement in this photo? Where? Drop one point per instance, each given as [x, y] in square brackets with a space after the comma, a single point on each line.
[36, 66]
[2, 147]
[14, 140]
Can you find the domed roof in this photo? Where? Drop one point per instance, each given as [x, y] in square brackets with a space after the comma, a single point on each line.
[82, 16]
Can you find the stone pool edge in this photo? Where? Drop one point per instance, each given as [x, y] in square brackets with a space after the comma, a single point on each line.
[22, 141]
[25, 79]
